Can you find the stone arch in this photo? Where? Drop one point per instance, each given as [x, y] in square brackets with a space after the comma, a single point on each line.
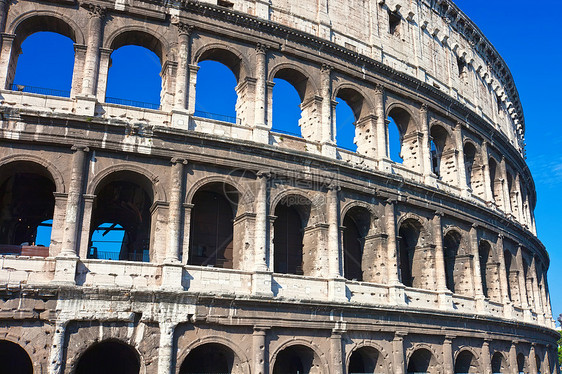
[74, 361]
[158, 191]
[304, 195]
[401, 109]
[421, 220]
[239, 355]
[306, 90]
[499, 362]
[495, 182]
[434, 360]
[226, 54]
[357, 203]
[442, 151]
[245, 194]
[33, 365]
[413, 249]
[475, 359]
[54, 172]
[384, 356]
[295, 342]
[454, 266]
[44, 20]
[473, 168]
[140, 36]
[349, 90]
[410, 141]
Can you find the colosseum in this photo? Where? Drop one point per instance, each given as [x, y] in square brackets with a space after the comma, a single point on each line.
[246, 250]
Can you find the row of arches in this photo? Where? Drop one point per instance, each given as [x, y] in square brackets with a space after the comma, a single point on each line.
[114, 356]
[120, 223]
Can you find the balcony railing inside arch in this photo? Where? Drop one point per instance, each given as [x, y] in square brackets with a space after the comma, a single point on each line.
[39, 90]
[93, 253]
[217, 117]
[127, 102]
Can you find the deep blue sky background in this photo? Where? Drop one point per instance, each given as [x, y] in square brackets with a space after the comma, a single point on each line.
[523, 32]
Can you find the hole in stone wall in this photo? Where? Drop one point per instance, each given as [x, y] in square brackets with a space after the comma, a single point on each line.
[394, 20]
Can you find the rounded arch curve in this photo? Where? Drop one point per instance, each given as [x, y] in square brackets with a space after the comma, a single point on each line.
[226, 54]
[467, 141]
[42, 20]
[74, 364]
[359, 204]
[158, 191]
[243, 359]
[351, 94]
[140, 36]
[55, 174]
[288, 192]
[282, 70]
[475, 355]
[399, 110]
[369, 344]
[245, 195]
[409, 216]
[422, 346]
[291, 342]
[34, 364]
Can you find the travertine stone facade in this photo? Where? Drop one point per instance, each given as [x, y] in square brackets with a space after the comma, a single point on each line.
[325, 260]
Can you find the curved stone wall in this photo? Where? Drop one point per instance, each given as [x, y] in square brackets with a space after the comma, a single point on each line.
[248, 249]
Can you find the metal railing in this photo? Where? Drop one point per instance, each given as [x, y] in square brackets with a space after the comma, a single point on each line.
[39, 90]
[93, 253]
[127, 102]
[215, 116]
[286, 132]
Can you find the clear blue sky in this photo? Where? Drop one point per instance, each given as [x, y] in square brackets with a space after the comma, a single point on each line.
[528, 39]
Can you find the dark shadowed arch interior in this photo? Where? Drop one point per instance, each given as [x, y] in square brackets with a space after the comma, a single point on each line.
[366, 360]
[109, 357]
[469, 153]
[521, 363]
[484, 251]
[408, 236]
[508, 260]
[211, 358]
[124, 198]
[398, 126]
[495, 182]
[356, 224]
[421, 361]
[212, 231]
[438, 142]
[499, 364]
[296, 359]
[26, 202]
[288, 235]
[14, 359]
[466, 363]
[451, 244]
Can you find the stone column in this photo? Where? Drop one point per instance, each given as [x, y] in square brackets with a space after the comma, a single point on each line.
[513, 357]
[73, 203]
[78, 69]
[333, 232]
[191, 89]
[522, 281]
[503, 271]
[425, 151]
[448, 365]
[391, 247]
[488, 194]
[336, 353]
[182, 72]
[537, 296]
[260, 231]
[57, 348]
[4, 6]
[175, 210]
[477, 272]
[103, 72]
[165, 349]
[259, 350]
[382, 139]
[441, 280]
[505, 189]
[91, 64]
[463, 184]
[261, 128]
[6, 59]
[326, 123]
[486, 358]
[398, 359]
[533, 359]
[186, 232]
[86, 223]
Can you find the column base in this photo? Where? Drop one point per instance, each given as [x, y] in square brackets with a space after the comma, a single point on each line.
[482, 305]
[445, 299]
[260, 134]
[85, 106]
[508, 310]
[329, 150]
[337, 291]
[172, 274]
[397, 294]
[180, 119]
[65, 270]
[261, 284]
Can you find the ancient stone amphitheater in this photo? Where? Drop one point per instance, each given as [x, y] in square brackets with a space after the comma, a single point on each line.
[251, 251]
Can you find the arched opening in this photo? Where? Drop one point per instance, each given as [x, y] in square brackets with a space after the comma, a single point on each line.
[438, 142]
[136, 54]
[27, 207]
[469, 152]
[356, 223]
[422, 361]
[521, 363]
[484, 252]
[219, 89]
[499, 363]
[297, 359]
[508, 260]
[210, 358]
[122, 204]
[14, 359]
[47, 57]
[345, 126]
[109, 357]
[403, 145]
[466, 363]
[212, 231]
[291, 104]
[538, 363]
[45, 65]
[366, 360]
[292, 214]
[453, 267]
[495, 182]
[409, 235]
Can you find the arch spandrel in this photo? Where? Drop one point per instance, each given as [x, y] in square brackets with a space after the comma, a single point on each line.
[32, 21]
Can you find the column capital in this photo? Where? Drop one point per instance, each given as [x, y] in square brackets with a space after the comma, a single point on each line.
[261, 330]
[423, 108]
[379, 89]
[267, 174]
[95, 10]
[178, 160]
[79, 147]
[501, 236]
[326, 68]
[262, 48]
[184, 28]
[399, 335]
[438, 213]
[334, 186]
